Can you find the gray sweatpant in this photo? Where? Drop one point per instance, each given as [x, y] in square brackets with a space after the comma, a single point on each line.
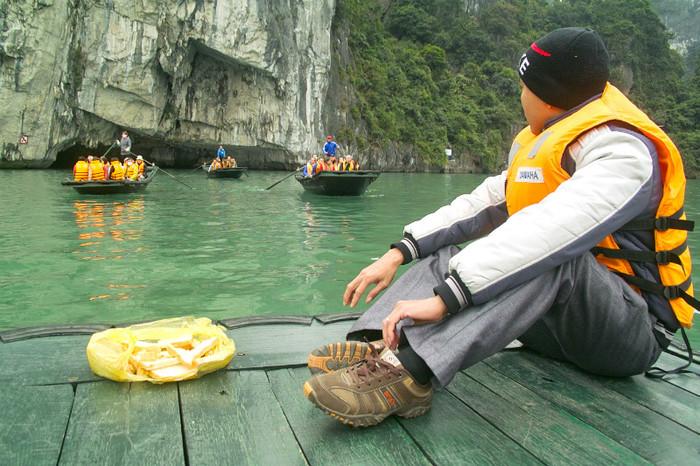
[577, 312]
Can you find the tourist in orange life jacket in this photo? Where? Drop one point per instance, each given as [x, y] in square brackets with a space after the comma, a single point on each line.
[131, 169]
[80, 170]
[311, 166]
[231, 161]
[351, 163]
[96, 169]
[215, 164]
[341, 165]
[577, 250]
[116, 170]
[140, 163]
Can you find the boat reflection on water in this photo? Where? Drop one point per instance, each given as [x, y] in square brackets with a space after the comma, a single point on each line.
[101, 224]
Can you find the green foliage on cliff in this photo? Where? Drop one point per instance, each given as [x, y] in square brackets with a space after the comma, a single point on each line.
[428, 74]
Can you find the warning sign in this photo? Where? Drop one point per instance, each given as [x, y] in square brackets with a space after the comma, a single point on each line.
[24, 139]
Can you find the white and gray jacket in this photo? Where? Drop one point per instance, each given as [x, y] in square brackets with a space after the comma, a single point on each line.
[615, 179]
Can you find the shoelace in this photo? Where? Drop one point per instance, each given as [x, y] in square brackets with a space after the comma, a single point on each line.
[372, 367]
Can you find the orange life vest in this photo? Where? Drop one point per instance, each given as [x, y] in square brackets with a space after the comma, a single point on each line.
[539, 158]
[132, 171]
[117, 171]
[97, 170]
[80, 170]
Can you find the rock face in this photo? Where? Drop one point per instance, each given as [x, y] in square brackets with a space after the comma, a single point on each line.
[181, 76]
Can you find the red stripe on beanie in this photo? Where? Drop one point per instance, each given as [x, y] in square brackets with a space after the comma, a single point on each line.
[539, 50]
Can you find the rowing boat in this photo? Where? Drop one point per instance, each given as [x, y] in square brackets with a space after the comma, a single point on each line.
[338, 183]
[112, 186]
[228, 172]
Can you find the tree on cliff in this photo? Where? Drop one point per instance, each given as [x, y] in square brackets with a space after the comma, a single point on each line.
[428, 74]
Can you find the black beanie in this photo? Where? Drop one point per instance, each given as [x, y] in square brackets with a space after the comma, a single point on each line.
[566, 67]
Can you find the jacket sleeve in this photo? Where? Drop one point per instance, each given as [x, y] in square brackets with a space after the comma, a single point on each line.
[467, 217]
[612, 184]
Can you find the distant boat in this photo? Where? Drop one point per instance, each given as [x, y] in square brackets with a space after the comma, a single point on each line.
[112, 186]
[228, 172]
[338, 183]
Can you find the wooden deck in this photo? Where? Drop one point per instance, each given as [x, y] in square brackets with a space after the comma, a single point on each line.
[514, 408]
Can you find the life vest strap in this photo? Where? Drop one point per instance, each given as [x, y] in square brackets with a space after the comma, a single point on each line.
[660, 257]
[660, 224]
[669, 292]
[658, 373]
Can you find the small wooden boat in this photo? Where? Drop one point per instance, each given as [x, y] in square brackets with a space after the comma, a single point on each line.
[338, 183]
[112, 186]
[228, 172]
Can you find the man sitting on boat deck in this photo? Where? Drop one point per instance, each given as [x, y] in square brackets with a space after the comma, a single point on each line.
[80, 169]
[311, 167]
[578, 250]
[116, 170]
[350, 163]
[96, 169]
[229, 162]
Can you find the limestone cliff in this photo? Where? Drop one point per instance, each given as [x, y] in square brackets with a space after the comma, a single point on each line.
[181, 76]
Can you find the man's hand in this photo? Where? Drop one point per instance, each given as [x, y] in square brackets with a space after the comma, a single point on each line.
[379, 273]
[422, 311]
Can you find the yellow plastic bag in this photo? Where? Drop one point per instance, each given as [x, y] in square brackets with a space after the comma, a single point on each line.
[166, 350]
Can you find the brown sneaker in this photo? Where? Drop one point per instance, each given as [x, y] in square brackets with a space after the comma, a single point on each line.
[335, 356]
[367, 392]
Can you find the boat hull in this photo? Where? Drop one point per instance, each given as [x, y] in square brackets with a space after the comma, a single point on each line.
[341, 183]
[111, 186]
[230, 172]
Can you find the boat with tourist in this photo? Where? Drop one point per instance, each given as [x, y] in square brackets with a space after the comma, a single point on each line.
[112, 186]
[338, 183]
[226, 172]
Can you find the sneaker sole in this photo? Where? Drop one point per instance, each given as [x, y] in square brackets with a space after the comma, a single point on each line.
[409, 411]
[335, 356]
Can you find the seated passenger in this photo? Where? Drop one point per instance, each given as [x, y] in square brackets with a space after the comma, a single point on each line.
[116, 170]
[232, 162]
[80, 170]
[311, 166]
[352, 164]
[215, 165]
[96, 169]
[132, 169]
[142, 167]
[342, 165]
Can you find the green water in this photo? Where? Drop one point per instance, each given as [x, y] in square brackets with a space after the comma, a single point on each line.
[227, 248]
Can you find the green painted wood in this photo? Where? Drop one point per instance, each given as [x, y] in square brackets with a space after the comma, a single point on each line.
[660, 396]
[45, 361]
[647, 433]
[33, 422]
[234, 418]
[326, 441]
[124, 423]
[270, 346]
[686, 381]
[452, 433]
[551, 434]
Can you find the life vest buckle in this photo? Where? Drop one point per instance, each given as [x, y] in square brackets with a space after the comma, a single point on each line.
[661, 224]
[672, 292]
[663, 257]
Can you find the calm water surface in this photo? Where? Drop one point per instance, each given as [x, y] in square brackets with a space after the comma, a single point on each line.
[227, 248]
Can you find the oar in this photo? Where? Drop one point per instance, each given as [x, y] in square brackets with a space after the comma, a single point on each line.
[171, 176]
[110, 148]
[275, 184]
[199, 166]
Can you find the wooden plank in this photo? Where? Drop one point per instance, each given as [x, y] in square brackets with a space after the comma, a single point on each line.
[234, 418]
[33, 422]
[124, 423]
[327, 441]
[534, 423]
[270, 346]
[686, 381]
[660, 396]
[647, 433]
[46, 361]
[452, 433]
